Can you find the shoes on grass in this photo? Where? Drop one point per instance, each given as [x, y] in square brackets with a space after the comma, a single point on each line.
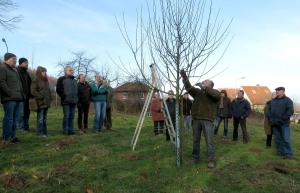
[211, 164]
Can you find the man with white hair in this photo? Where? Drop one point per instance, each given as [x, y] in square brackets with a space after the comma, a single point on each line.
[67, 89]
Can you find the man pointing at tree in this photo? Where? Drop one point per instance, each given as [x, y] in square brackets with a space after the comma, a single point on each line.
[203, 114]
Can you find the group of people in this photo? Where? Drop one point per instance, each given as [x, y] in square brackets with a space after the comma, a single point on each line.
[21, 94]
[211, 105]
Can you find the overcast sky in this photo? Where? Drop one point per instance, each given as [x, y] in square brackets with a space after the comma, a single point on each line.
[265, 46]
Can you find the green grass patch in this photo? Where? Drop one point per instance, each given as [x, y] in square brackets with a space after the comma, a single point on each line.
[105, 162]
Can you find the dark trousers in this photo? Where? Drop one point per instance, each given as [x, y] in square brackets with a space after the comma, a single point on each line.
[107, 120]
[83, 113]
[218, 122]
[161, 127]
[23, 122]
[167, 131]
[207, 127]
[236, 123]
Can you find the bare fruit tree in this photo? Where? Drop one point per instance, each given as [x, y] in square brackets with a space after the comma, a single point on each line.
[175, 35]
[80, 64]
[6, 21]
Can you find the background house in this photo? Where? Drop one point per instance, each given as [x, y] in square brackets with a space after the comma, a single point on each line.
[256, 95]
[130, 96]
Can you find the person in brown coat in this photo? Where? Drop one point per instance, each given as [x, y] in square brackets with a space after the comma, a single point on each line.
[41, 92]
[157, 114]
[267, 124]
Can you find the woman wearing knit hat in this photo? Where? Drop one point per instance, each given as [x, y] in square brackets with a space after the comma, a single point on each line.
[223, 113]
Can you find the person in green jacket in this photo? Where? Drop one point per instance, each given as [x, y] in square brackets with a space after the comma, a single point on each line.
[203, 114]
[99, 91]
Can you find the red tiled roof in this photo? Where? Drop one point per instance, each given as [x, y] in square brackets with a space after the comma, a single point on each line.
[258, 95]
[231, 92]
[132, 87]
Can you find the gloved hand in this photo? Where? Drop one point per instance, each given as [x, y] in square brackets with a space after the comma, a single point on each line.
[182, 73]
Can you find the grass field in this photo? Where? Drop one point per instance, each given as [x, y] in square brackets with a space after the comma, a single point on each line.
[105, 162]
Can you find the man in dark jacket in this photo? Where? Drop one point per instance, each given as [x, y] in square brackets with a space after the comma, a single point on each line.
[240, 110]
[171, 105]
[223, 113]
[203, 114]
[23, 122]
[187, 107]
[67, 89]
[83, 105]
[279, 112]
[12, 96]
[108, 114]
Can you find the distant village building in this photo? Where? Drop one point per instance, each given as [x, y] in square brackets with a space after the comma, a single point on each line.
[256, 95]
[130, 96]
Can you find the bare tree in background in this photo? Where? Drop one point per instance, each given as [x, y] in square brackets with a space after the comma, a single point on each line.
[106, 72]
[80, 64]
[6, 21]
[177, 34]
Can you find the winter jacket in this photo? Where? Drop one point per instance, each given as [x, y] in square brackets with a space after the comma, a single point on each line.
[156, 110]
[25, 80]
[280, 110]
[225, 111]
[67, 89]
[109, 97]
[204, 105]
[10, 85]
[171, 105]
[84, 93]
[187, 106]
[99, 92]
[40, 90]
[240, 108]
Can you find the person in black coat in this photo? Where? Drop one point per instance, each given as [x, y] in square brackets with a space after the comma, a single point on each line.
[67, 89]
[23, 122]
[279, 112]
[108, 114]
[240, 109]
[171, 105]
[187, 107]
[83, 105]
[223, 113]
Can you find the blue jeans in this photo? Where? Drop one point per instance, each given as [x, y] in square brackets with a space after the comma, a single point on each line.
[207, 127]
[283, 140]
[41, 121]
[100, 109]
[23, 122]
[218, 122]
[68, 119]
[187, 119]
[12, 110]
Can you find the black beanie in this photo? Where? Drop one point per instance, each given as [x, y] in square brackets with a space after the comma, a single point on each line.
[8, 55]
[21, 60]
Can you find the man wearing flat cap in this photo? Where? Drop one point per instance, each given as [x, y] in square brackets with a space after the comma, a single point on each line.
[23, 123]
[279, 112]
[12, 96]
